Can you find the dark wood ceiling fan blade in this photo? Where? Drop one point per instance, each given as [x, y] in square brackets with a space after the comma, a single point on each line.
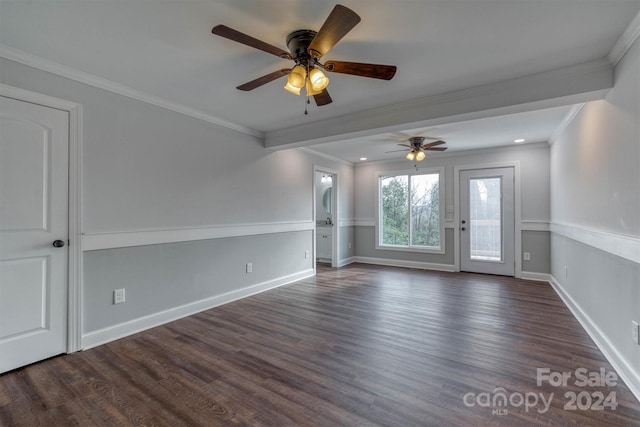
[322, 98]
[237, 36]
[393, 151]
[339, 22]
[374, 71]
[406, 145]
[264, 79]
[434, 148]
[433, 144]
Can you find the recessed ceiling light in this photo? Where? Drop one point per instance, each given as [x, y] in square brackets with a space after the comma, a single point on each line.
[363, 158]
[518, 140]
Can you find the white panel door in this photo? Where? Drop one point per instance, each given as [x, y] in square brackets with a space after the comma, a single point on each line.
[34, 143]
[487, 221]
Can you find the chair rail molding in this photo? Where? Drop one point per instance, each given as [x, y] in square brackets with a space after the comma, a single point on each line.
[627, 247]
[123, 239]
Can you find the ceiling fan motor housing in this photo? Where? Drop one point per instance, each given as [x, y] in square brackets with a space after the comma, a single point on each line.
[298, 42]
[416, 141]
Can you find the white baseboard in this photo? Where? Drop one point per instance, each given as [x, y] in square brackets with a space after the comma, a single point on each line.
[403, 263]
[621, 366]
[111, 333]
[346, 261]
[540, 277]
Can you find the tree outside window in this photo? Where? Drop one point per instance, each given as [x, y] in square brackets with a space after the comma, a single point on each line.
[409, 214]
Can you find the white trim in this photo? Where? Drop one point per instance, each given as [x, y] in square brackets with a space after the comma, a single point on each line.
[440, 170]
[346, 261]
[539, 277]
[449, 224]
[335, 231]
[534, 225]
[111, 333]
[566, 121]
[627, 247]
[626, 40]
[123, 239]
[49, 66]
[515, 164]
[74, 286]
[404, 263]
[365, 222]
[346, 222]
[619, 363]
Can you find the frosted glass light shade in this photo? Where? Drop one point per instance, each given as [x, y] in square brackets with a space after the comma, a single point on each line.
[310, 90]
[319, 81]
[297, 77]
[294, 90]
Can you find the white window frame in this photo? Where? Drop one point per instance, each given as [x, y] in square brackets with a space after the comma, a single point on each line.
[411, 172]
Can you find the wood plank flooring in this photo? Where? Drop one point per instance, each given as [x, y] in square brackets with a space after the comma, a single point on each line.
[356, 346]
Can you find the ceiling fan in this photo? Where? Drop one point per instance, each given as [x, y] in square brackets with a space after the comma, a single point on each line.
[306, 47]
[417, 147]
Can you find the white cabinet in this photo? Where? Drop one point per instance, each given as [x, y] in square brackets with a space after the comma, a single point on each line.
[324, 243]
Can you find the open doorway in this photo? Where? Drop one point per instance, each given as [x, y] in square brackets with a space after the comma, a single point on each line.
[325, 216]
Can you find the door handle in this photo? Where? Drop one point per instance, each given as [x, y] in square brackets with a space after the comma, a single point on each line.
[462, 228]
[58, 243]
[464, 222]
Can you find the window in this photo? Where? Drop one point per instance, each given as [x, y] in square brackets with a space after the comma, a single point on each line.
[410, 211]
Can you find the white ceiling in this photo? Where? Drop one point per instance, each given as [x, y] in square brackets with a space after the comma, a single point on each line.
[165, 48]
[497, 131]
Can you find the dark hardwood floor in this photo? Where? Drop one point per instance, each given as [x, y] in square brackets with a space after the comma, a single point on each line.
[356, 346]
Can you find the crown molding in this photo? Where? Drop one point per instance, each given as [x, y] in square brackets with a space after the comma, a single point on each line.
[566, 121]
[626, 40]
[52, 67]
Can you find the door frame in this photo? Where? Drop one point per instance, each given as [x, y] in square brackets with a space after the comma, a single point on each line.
[74, 285]
[334, 203]
[517, 212]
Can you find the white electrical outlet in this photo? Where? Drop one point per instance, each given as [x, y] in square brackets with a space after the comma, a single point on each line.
[306, 254]
[118, 296]
[349, 245]
[249, 267]
[566, 271]
[635, 331]
[527, 256]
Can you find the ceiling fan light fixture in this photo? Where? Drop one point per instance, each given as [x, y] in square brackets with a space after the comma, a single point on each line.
[310, 90]
[411, 155]
[319, 81]
[292, 89]
[297, 76]
[420, 155]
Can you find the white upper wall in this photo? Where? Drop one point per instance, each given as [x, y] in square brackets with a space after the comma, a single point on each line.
[595, 162]
[146, 167]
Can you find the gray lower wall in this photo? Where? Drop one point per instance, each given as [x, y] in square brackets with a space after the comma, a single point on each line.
[537, 243]
[346, 248]
[366, 247]
[165, 276]
[604, 286]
